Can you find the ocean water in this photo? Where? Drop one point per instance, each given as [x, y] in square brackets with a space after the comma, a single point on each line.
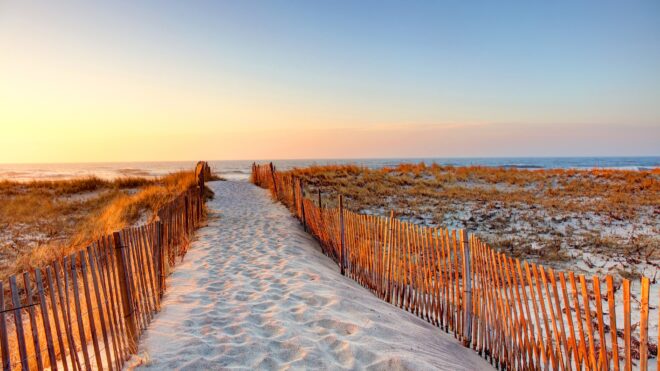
[240, 170]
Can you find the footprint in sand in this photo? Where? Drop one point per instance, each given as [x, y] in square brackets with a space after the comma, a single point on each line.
[255, 292]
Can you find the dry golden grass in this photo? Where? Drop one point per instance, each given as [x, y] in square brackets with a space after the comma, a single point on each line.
[46, 220]
[528, 213]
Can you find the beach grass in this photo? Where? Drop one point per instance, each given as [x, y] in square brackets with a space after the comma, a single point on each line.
[45, 220]
[546, 215]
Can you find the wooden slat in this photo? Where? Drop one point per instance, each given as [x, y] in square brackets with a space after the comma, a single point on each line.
[132, 283]
[584, 358]
[590, 331]
[457, 289]
[64, 306]
[613, 328]
[626, 325]
[4, 338]
[113, 294]
[18, 320]
[108, 307]
[571, 329]
[598, 301]
[124, 287]
[149, 268]
[644, 326]
[78, 308]
[100, 305]
[450, 283]
[33, 320]
[511, 312]
[528, 322]
[52, 291]
[521, 323]
[138, 276]
[560, 336]
[149, 302]
[539, 345]
[45, 318]
[90, 311]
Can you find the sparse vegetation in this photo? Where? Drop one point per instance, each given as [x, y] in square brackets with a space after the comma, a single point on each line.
[550, 215]
[44, 220]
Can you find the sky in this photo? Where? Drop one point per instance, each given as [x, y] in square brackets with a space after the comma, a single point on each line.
[85, 81]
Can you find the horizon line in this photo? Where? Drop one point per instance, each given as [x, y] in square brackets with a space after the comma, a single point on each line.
[329, 159]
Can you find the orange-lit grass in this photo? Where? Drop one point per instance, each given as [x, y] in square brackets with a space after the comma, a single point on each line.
[606, 190]
[51, 219]
[490, 201]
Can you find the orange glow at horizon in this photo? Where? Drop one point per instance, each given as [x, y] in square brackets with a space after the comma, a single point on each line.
[135, 82]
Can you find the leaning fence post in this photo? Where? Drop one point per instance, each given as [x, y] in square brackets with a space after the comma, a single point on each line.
[272, 174]
[467, 290]
[126, 292]
[302, 205]
[342, 247]
[200, 172]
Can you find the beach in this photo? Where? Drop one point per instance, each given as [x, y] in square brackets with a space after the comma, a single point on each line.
[255, 291]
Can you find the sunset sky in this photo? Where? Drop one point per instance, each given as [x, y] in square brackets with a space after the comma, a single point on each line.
[184, 80]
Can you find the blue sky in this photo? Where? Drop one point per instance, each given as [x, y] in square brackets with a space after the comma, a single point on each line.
[561, 78]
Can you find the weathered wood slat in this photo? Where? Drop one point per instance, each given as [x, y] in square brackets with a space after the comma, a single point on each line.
[4, 338]
[612, 323]
[63, 292]
[147, 250]
[18, 320]
[100, 305]
[45, 318]
[111, 331]
[78, 308]
[52, 291]
[644, 325]
[33, 320]
[108, 255]
[90, 311]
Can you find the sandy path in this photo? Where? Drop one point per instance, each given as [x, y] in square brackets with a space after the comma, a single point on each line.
[255, 292]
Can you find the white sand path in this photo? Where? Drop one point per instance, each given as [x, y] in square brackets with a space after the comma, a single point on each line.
[255, 292]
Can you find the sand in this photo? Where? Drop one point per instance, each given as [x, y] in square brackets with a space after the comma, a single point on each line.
[255, 292]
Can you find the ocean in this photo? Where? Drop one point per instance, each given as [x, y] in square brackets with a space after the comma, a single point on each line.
[240, 170]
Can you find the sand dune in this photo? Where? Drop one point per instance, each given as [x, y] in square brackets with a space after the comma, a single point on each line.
[255, 292]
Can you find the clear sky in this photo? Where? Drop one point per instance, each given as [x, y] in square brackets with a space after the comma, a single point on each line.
[188, 80]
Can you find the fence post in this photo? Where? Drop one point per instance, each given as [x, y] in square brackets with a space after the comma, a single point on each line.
[467, 290]
[128, 306]
[163, 260]
[294, 205]
[342, 247]
[302, 204]
[200, 171]
[272, 174]
[186, 217]
[388, 269]
[320, 204]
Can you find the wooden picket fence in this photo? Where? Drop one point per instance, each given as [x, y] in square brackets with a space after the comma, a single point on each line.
[518, 315]
[88, 310]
